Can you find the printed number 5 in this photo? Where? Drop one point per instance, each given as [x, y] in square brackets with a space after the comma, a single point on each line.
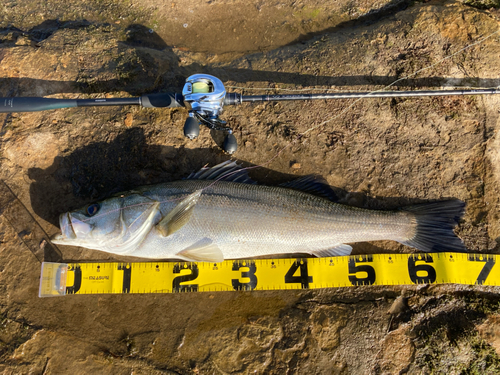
[354, 268]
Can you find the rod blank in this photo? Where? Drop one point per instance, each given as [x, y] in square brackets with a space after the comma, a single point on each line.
[170, 100]
[354, 95]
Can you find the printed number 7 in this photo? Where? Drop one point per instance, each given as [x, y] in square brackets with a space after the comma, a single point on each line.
[489, 263]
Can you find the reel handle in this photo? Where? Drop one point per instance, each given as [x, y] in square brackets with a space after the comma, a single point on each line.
[230, 144]
[191, 128]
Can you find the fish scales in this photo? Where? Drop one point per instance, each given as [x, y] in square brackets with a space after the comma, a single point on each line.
[206, 220]
[249, 220]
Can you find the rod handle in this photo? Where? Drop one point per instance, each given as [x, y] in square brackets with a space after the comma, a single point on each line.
[162, 100]
[29, 104]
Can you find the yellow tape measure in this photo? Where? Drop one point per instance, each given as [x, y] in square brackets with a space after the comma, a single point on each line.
[58, 279]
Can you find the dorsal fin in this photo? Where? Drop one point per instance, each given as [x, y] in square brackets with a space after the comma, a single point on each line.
[233, 172]
[312, 184]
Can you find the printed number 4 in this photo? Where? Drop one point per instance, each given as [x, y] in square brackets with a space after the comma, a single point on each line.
[303, 278]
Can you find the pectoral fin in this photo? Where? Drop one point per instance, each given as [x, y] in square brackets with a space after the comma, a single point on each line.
[179, 216]
[202, 251]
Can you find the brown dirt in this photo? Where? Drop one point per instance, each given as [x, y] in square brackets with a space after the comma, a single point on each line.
[378, 154]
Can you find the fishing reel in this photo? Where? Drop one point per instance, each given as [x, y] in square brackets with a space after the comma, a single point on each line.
[204, 96]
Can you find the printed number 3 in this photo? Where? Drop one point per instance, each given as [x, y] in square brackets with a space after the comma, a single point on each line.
[250, 274]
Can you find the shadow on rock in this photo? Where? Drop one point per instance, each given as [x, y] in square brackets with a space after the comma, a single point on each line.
[142, 36]
[146, 64]
[101, 169]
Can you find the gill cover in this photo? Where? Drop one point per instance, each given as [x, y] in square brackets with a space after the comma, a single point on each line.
[119, 225]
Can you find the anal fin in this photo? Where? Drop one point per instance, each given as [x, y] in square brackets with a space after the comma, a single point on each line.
[335, 251]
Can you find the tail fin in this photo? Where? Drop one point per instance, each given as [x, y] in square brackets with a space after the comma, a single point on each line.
[435, 223]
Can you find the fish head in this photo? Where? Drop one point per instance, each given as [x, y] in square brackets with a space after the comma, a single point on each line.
[117, 225]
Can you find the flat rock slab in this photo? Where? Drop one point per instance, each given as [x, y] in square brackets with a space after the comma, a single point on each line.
[377, 153]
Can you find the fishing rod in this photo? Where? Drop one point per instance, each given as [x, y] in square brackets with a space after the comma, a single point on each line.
[205, 96]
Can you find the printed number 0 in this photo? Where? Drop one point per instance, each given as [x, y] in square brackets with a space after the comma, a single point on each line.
[78, 281]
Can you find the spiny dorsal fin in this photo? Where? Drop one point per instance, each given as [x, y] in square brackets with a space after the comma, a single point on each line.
[229, 169]
[179, 216]
[313, 185]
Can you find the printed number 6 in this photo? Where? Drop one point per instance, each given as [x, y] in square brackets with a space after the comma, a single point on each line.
[413, 268]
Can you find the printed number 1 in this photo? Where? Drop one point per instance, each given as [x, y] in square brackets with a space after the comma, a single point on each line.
[489, 262]
[127, 275]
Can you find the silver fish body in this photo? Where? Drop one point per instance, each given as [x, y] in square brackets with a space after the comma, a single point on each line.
[204, 220]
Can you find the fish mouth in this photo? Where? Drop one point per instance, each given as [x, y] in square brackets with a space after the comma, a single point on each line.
[67, 232]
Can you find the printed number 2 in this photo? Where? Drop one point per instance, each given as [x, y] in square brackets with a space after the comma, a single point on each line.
[304, 279]
[489, 263]
[369, 279]
[176, 284]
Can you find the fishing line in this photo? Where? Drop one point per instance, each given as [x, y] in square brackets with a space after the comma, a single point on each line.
[278, 89]
[299, 136]
[479, 41]
[338, 91]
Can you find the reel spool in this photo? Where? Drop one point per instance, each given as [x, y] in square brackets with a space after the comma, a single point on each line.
[204, 96]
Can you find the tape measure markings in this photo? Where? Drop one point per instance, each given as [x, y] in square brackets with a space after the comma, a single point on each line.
[268, 274]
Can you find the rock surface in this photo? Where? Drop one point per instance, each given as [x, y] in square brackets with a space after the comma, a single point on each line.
[377, 153]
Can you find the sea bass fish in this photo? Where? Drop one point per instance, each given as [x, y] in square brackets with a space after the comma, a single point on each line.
[219, 213]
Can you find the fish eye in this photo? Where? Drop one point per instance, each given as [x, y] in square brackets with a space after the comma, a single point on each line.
[92, 209]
